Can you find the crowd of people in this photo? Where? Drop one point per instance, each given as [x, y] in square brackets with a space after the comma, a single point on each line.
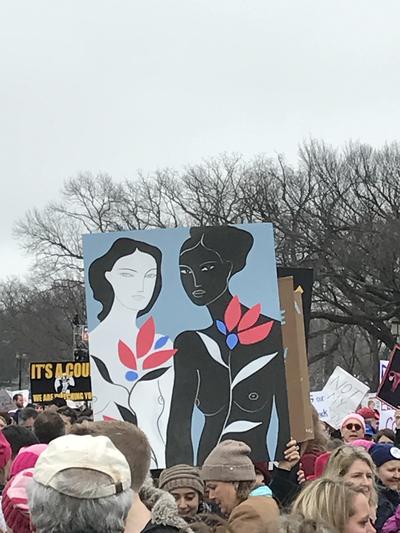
[60, 471]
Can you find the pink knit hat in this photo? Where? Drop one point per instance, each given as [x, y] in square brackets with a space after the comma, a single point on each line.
[14, 502]
[362, 443]
[5, 450]
[353, 416]
[26, 458]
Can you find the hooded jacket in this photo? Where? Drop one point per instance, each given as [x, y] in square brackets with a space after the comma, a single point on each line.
[164, 511]
[388, 500]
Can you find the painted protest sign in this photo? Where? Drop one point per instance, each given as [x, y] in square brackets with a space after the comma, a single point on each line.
[67, 380]
[389, 388]
[387, 414]
[296, 365]
[185, 338]
[343, 394]
[319, 402]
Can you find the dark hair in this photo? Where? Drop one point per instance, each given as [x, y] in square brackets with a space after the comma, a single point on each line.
[230, 243]
[6, 416]
[386, 432]
[16, 396]
[26, 413]
[101, 287]
[48, 426]
[69, 413]
[130, 441]
[19, 437]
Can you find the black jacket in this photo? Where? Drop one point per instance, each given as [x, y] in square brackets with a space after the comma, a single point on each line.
[159, 528]
[388, 500]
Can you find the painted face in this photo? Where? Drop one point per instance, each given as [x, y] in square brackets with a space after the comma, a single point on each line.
[204, 274]
[359, 522]
[352, 430]
[133, 278]
[187, 500]
[389, 474]
[223, 493]
[360, 475]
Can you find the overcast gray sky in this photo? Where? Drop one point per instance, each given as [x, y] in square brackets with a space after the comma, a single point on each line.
[116, 86]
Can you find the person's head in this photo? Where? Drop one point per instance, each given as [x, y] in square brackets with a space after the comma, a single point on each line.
[19, 437]
[263, 476]
[18, 399]
[130, 272]
[5, 458]
[185, 485]
[14, 502]
[83, 483]
[27, 417]
[295, 523]
[387, 460]
[343, 507]
[69, 417]
[320, 440]
[26, 458]
[48, 426]
[129, 440]
[39, 407]
[352, 427]
[229, 474]
[209, 258]
[370, 416]
[355, 466]
[3, 422]
[385, 436]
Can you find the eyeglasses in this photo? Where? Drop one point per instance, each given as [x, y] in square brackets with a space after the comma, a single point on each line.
[351, 426]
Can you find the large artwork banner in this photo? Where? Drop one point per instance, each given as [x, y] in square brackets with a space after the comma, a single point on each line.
[185, 338]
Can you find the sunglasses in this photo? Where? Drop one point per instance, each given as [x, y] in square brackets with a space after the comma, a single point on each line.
[351, 426]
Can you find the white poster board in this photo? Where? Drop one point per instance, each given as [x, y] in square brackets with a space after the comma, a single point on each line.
[319, 402]
[343, 394]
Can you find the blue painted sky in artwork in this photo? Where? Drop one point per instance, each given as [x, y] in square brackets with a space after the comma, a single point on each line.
[173, 311]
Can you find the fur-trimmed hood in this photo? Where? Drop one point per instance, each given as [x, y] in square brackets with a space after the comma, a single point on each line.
[161, 504]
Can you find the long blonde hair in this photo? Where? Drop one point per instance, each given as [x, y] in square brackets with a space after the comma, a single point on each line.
[327, 501]
[340, 463]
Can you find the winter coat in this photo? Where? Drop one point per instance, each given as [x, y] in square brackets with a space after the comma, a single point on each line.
[393, 524]
[164, 511]
[388, 501]
[257, 514]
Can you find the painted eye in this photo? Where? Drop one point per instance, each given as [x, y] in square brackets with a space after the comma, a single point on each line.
[184, 270]
[150, 275]
[127, 275]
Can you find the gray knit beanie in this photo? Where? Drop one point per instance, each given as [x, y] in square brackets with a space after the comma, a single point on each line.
[229, 461]
[180, 477]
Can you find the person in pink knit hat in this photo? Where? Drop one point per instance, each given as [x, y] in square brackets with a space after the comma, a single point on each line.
[26, 458]
[14, 503]
[352, 428]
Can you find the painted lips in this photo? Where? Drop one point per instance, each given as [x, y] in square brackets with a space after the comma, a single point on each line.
[198, 293]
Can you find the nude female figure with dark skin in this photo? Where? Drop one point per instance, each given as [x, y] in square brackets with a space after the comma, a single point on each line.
[208, 362]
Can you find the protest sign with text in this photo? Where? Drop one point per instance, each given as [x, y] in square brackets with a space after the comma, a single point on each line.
[343, 394]
[67, 380]
[319, 402]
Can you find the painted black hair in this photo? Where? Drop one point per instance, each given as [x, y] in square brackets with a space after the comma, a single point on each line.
[102, 289]
[231, 243]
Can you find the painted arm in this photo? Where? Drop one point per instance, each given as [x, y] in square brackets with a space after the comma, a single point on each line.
[179, 440]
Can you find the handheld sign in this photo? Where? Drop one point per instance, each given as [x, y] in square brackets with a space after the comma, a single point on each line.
[68, 380]
[296, 366]
[319, 402]
[343, 394]
[389, 388]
